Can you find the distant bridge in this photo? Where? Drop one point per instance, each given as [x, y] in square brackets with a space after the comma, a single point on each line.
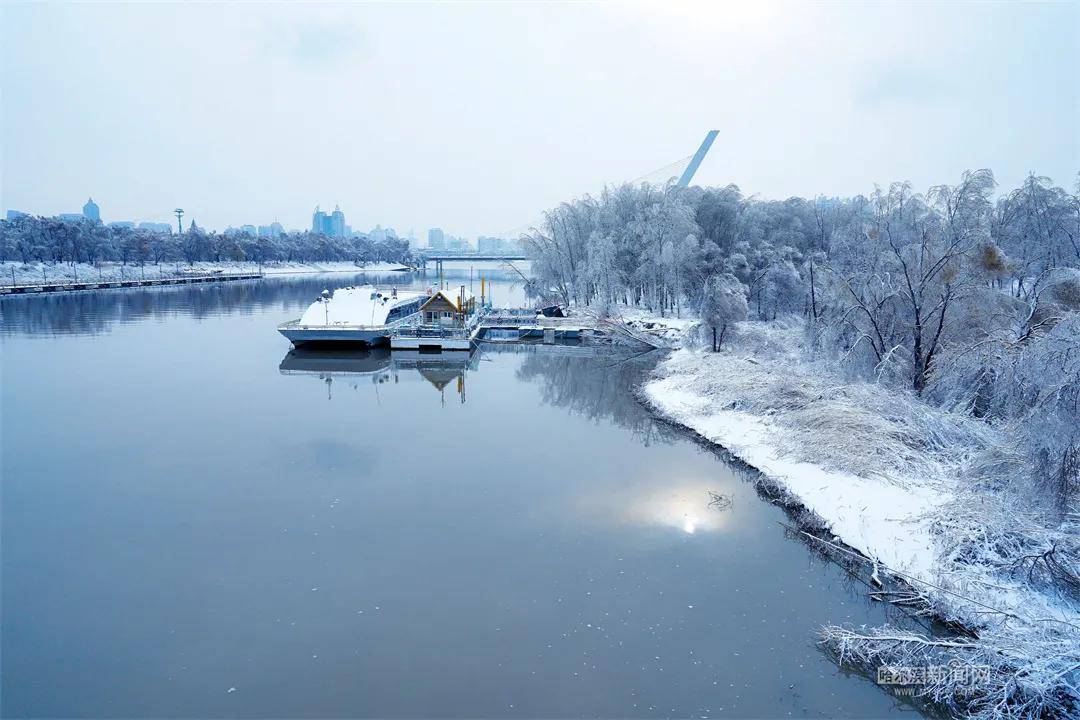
[440, 256]
[426, 255]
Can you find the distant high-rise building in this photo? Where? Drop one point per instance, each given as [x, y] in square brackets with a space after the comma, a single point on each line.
[320, 222]
[16, 214]
[332, 224]
[91, 210]
[337, 223]
[436, 239]
[490, 244]
[381, 234]
[273, 230]
[122, 224]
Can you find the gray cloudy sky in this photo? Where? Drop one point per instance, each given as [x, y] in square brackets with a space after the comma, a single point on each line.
[476, 116]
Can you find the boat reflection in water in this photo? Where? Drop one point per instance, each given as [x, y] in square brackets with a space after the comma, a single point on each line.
[381, 365]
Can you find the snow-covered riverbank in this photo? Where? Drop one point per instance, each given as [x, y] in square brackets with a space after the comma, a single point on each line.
[895, 479]
[28, 274]
[845, 451]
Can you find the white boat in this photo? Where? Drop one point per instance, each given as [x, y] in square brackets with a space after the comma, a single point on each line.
[364, 314]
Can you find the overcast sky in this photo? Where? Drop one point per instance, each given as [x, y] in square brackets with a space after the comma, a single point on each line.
[477, 116]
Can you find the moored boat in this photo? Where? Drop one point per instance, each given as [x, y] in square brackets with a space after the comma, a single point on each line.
[365, 315]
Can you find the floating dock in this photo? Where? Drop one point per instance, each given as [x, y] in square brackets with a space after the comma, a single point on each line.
[505, 326]
[424, 338]
[515, 325]
[489, 327]
[547, 333]
[64, 286]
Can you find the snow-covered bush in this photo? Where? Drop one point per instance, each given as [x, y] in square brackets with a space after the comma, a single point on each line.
[830, 422]
[1027, 672]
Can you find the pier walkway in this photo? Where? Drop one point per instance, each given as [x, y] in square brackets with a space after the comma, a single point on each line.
[513, 325]
[71, 286]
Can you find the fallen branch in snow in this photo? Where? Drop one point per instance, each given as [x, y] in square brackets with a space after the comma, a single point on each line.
[1059, 569]
[912, 579]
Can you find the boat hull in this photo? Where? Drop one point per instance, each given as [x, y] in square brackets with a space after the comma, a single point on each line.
[356, 336]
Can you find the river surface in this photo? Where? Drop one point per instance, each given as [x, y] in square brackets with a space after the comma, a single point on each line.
[197, 522]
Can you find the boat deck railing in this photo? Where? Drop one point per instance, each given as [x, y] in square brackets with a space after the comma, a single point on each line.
[399, 323]
[432, 331]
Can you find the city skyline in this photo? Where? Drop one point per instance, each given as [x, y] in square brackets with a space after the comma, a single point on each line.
[543, 102]
[332, 224]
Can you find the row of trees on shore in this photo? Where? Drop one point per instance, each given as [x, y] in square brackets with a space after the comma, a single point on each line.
[41, 239]
[894, 268]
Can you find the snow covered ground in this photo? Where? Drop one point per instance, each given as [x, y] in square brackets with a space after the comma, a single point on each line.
[20, 274]
[334, 267]
[640, 325]
[669, 331]
[885, 515]
[890, 476]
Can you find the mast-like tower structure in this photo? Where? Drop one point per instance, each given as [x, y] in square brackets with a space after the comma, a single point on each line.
[695, 161]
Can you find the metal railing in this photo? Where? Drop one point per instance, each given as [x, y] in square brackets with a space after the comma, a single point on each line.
[64, 284]
[432, 331]
[395, 325]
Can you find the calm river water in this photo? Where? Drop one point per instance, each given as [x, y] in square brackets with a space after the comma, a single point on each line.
[198, 523]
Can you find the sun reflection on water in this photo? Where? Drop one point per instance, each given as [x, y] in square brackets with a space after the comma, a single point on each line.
[683, 507]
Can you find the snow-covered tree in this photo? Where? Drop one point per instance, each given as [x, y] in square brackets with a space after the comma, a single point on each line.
[724, 304]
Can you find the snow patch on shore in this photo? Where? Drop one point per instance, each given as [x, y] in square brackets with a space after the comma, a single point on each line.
[333, 267]
[884, 519]
[666, 331]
